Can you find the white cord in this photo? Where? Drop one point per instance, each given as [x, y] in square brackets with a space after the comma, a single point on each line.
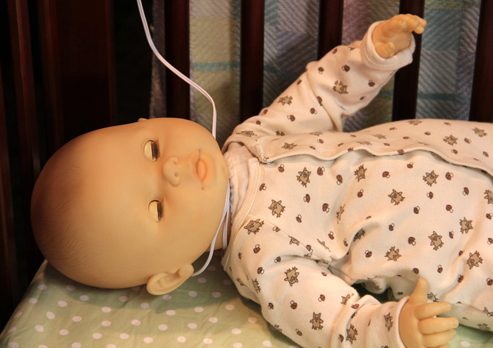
[173, 69]
[225, 217]
[224, 222]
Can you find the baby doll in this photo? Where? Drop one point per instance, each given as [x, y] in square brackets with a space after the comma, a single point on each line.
[314, 210]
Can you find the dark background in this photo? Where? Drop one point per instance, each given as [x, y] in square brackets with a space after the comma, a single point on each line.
[130, 71]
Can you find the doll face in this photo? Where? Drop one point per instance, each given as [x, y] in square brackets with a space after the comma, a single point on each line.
[154, 197]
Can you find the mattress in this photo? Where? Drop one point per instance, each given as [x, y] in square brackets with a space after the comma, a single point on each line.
[206, 311]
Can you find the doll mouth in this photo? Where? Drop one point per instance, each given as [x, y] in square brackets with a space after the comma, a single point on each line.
[204, 170]
[201, 169]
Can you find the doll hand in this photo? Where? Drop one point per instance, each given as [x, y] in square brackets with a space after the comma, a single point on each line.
[394, 35]
[418, 326]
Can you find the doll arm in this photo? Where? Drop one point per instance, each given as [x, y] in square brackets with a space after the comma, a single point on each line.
[395, 34]
[418, 325]
[345, 80]
[316, 308]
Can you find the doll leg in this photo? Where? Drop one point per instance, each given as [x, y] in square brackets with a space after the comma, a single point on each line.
[472, 296]
[478, 313]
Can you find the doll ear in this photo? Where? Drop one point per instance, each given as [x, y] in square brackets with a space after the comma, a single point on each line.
[142, 119]
[162, 283]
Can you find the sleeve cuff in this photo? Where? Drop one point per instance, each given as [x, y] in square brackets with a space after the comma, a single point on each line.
[397, 311]
[378, 325]
[371, 58]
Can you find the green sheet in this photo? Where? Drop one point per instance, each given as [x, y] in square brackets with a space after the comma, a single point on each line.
[206, 311]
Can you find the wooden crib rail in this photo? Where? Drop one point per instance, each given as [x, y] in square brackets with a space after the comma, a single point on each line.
[27, 146]
[406, 79]
[482, 89]
[57, 81]
[177, 48]
[9, 289]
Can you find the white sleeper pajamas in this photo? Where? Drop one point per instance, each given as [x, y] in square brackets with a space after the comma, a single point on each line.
[316, 210]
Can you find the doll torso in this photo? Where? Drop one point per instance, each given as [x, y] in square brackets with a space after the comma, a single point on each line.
[306, 224]
[381, 221]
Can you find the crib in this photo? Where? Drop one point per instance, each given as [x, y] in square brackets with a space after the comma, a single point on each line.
[60, 75]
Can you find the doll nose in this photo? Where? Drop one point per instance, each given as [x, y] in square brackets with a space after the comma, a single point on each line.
[170, 171]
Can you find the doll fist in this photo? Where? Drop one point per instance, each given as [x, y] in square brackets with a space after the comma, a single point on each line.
[395, 34]
[418, 325]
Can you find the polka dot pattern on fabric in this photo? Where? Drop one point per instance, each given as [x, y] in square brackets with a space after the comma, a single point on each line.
[39, 328]
[216, 316]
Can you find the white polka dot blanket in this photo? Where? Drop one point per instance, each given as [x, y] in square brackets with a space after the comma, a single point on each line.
[206, 311]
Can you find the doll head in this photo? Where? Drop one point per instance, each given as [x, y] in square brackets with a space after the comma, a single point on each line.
[131, 204]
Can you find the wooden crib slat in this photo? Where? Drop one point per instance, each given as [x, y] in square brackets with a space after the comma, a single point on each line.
[26, 119]
[50, 57]
[9, 291]
[24, 85]
[330, 25]
[177, 53]
[251, 57]
[84, 34]
[482, 90]
[406, 79]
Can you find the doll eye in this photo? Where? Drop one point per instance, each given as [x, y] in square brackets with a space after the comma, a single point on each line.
[151, 150]
[156, 210]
